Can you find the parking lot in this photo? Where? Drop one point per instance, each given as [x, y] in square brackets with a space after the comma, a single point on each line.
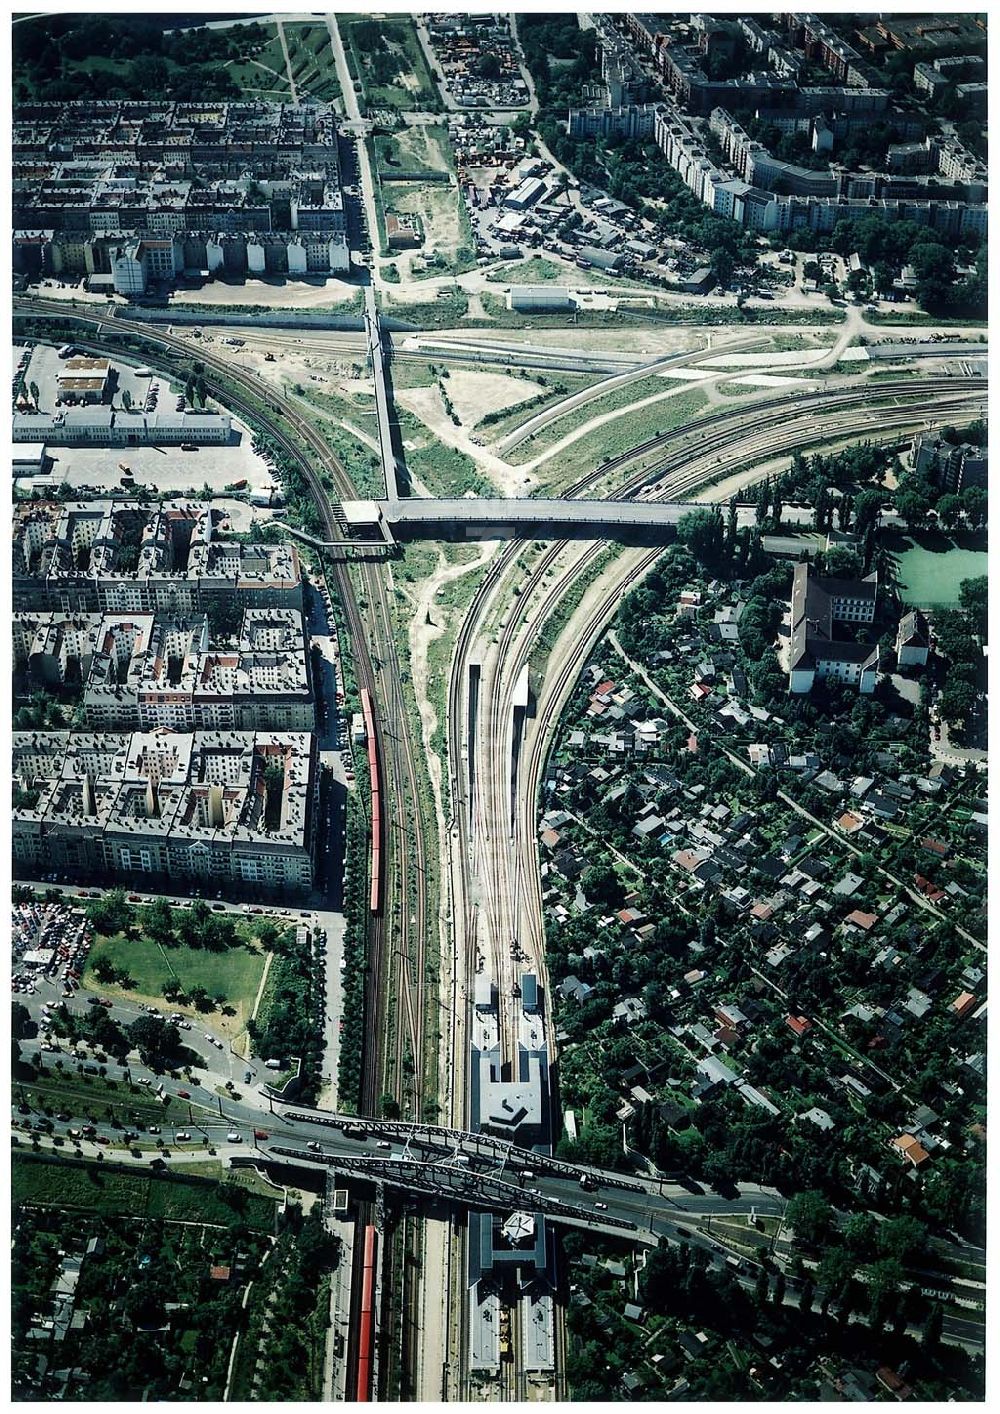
[160, 468]
[49, 945]
[45, 365]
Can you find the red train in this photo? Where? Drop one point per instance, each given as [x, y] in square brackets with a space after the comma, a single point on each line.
[375, 897]
[366, 1329]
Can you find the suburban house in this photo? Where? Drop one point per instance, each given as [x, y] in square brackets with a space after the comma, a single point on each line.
[822, 618]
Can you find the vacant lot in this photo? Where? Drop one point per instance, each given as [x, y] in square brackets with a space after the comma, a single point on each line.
[101, 1188]
[233, 975]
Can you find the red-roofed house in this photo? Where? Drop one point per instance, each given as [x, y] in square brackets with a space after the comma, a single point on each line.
[850, 823]
[963, 1004]
[866, 921]
[910, 1148]
[889, 1380]
[937, 847]
[799, 1024]
[929, 890]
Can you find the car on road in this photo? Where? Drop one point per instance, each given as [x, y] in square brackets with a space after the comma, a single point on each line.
[247, 1077]
[183, 1094]
[233, 1137]
[154, 1129]
[183, 1137]
[261, 1134]
[313, 1144]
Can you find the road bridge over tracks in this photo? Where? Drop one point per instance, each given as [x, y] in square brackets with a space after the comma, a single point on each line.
[488, 1172]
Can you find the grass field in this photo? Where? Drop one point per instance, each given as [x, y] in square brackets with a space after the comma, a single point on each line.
[561, 386]
[444, 470]
[234, 974]
[534, 271]
[614, 401]
[89, 1097]
[263, 75]
[930, 578]
[102, 1188]
[617, 437]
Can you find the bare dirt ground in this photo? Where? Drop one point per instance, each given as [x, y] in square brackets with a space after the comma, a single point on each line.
[426, 404]
[475, 394]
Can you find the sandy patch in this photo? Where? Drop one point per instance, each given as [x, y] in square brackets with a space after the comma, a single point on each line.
[790, 358]
[769, 380]
[475, 394]
[438, 209]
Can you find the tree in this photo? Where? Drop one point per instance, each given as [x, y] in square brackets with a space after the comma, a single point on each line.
[126, 400]
[158, 922]
[901, 1237]
[973, 597]
[949, 509]
[601, 885]
[806, 1295]
[957, 702]
[931, 1337]
[884, 1278]
[974, 503]
[912, 503]
[154, 1038]
[841, 563]
[703, 533]
[110, 914]
[810, 1216]
[883, 276]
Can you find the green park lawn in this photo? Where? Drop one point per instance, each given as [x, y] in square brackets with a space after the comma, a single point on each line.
[102, 1188]
[234, 974]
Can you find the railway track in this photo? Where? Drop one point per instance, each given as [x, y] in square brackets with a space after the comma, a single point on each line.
[674, 476]
[376, 669]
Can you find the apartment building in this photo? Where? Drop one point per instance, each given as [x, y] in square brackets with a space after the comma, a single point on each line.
[128, 557]
[140, 672]
[124, 188]
[232, 809]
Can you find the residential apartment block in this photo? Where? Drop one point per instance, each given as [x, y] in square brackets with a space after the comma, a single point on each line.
[223, 809]
[129, 557]
[143, 192]
[937, 182]
[139, 672]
